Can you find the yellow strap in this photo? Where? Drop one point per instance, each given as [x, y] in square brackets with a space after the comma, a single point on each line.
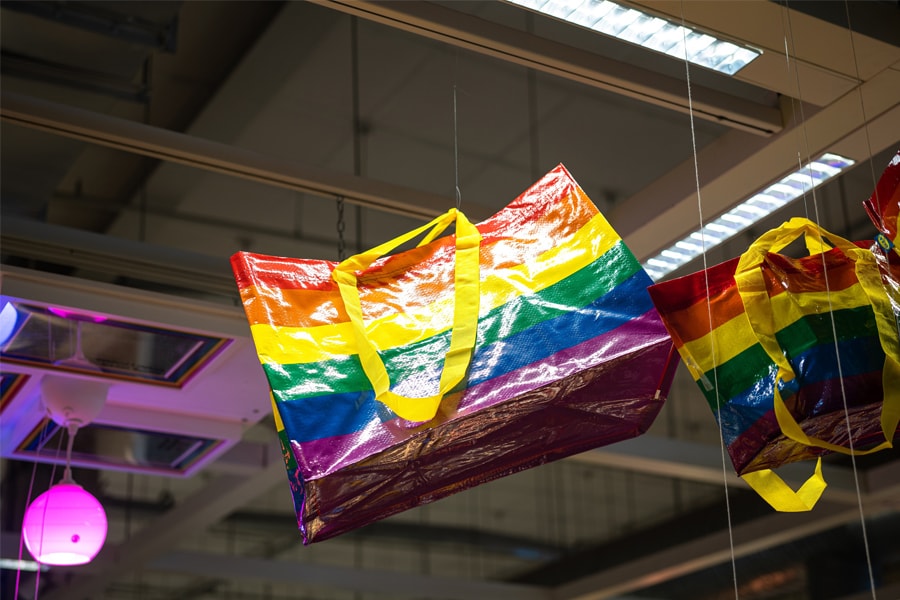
[279, 424]
[816, 245]
[890, 415]
[752, 288]
[780, 496]
[465, 315]
[735, 335]
[277, 344]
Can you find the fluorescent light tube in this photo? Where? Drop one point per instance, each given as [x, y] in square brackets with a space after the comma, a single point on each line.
[746, 214]
[22, 565]
[647, 30]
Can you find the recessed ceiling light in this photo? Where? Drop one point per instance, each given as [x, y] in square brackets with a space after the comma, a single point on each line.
[649, 31]
[22, 565]
[747, 213]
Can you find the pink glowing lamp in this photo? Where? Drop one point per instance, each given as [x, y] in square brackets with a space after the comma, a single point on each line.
[66, 525]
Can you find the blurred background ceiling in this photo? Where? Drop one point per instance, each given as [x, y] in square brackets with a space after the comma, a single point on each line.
[145, 142]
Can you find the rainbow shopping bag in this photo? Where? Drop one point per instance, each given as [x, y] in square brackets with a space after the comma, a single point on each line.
[780, 346]
[883, 206]
[398, 380]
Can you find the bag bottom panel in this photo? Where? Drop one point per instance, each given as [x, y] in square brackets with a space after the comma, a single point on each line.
[865, 423]
[558, 420]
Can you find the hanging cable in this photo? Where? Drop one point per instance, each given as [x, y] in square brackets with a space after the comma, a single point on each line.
[42, 438]
[142, 219]
[357, 122]
[796, 103]
[354, 93]
[457, 192]
[713, 350]
[533, 138]
[862, 104]
[847, 424]
[44, 434]
[850, 445]
[71, 429]
[341, 225]
[456, 152]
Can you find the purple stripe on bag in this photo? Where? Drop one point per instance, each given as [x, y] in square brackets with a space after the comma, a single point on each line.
[822, 423]
[321, 457]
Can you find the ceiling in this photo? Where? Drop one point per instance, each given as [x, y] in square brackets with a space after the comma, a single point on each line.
[143, 143]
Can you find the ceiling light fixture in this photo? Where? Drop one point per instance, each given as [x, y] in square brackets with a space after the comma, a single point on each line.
[649, 31]
[66, 525]
[22, 565]
[747, 213]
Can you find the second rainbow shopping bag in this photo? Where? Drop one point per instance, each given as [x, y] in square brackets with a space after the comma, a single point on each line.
[397, 380]
[797, 357]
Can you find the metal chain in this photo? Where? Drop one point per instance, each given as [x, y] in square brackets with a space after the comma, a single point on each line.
[342, 246]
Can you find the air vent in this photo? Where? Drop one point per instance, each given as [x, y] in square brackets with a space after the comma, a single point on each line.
[183, 378]
[105, 446]
[71, 341]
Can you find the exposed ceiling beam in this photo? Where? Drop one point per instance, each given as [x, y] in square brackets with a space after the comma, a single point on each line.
[693, 461]
[105, 21]
[743, 540]
[484, 37]
[138, 138]
[116, 257]
[391, 584]
[860, 124]
[823, 63]
[133, 304]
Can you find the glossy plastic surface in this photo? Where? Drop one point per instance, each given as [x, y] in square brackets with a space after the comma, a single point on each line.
[569, 355]
[810, 299]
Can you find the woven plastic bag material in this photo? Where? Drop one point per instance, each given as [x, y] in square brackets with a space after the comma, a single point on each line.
[807, 301]
[570, 355]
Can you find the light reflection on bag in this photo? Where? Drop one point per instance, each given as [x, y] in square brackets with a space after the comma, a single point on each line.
[556, 349]
[784, 342]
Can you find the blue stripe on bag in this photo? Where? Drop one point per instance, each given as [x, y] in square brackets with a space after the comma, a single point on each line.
[816, 365]
[329, 415]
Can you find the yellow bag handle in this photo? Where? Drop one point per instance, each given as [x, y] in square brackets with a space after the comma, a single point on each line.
[465, 314]
[780, 496]
[752, 288]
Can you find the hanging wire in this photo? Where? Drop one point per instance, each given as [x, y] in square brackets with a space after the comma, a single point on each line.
[142, 220]
[862, 519]
[71, 429]
[456, 189]
[341, 225]
[687, 72]
[534, 145]
[456, 152]
[796, 103]
[354, 93]
[28, 498]
[357, 121]
[850, 444]
[862, 105]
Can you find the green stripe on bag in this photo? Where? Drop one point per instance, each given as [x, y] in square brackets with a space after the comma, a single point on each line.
[344, 373]
[752, 365]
